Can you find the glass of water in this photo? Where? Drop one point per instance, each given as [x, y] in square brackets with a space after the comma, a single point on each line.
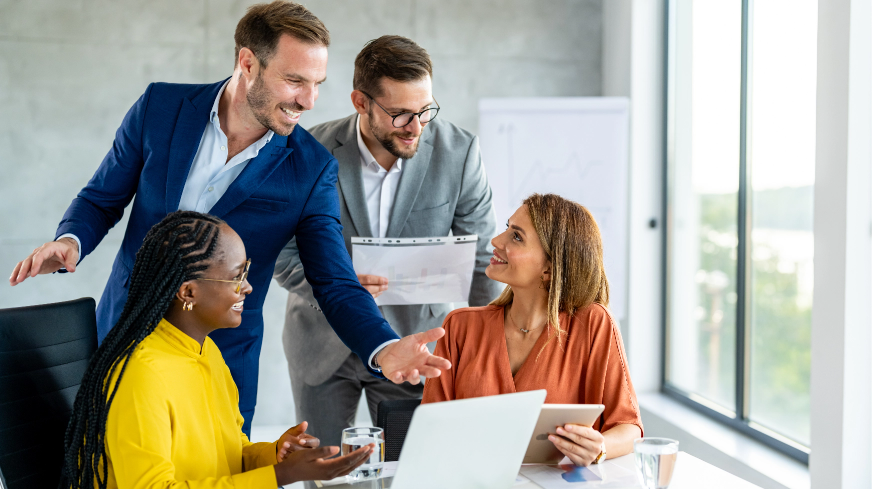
[655, 461]
[354, 438]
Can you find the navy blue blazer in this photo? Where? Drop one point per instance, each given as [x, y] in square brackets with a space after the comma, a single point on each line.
[288, 190]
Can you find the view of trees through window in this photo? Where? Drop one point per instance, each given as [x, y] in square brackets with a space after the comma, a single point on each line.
[781, 305]
[716, 308]
[781, 155]
[740, 272]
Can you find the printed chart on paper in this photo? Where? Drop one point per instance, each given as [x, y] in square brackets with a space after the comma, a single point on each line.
[425, 270]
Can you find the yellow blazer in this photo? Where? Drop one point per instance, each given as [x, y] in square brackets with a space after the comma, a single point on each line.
[175, 421]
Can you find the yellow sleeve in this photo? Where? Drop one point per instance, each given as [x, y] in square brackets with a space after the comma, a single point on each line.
[256, 455]
[139, 439]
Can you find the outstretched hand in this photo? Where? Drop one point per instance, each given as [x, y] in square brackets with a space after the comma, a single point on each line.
[408, 359]
[48, 258]
[295, 439]
[304, 465]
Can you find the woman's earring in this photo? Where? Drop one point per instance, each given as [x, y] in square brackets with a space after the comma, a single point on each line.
[189, 306]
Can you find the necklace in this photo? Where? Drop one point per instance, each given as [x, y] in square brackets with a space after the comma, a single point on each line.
[525, 331]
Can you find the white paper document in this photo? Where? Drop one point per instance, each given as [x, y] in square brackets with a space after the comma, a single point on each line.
[425, 270]
[572, 477]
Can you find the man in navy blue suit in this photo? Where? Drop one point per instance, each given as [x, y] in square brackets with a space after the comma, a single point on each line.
[232, 149]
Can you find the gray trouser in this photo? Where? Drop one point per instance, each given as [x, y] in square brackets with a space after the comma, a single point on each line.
[331, 407]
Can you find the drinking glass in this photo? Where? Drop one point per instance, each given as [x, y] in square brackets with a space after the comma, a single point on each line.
[354, 438]
[655, 461]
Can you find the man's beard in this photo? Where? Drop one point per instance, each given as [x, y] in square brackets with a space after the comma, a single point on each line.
[259, 102]
[387, 142]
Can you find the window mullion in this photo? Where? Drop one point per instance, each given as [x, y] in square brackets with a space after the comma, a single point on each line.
[743, 273]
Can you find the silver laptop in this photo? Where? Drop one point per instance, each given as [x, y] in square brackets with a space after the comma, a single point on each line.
[470, 443]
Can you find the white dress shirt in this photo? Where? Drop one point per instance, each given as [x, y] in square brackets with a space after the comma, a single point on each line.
[211, 174]
[379, 187]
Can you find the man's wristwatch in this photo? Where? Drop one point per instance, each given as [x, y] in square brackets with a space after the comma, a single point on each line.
[602, 455]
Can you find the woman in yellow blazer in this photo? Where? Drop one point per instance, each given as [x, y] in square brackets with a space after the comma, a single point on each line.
[157, 407]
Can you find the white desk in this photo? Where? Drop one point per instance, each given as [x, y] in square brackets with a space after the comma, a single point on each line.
[690, 473]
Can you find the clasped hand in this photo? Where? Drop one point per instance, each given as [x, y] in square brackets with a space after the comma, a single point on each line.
[295, 439]
[299, 458]
[580, 443]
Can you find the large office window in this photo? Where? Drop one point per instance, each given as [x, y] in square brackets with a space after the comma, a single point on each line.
[740, 181]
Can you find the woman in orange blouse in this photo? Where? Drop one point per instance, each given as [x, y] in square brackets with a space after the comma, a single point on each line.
[550, 329]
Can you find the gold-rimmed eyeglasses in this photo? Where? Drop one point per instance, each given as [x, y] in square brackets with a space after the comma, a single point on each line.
[237, 281]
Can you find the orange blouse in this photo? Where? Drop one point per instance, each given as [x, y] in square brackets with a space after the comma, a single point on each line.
[590, 368]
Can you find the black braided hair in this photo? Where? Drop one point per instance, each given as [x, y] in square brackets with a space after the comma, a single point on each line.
[175, 250]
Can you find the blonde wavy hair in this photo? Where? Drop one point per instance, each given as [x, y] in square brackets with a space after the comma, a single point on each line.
[572, 243]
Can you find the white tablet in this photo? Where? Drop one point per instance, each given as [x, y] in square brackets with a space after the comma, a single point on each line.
[541, 450]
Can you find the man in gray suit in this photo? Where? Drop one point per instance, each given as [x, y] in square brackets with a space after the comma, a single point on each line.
[402, 173]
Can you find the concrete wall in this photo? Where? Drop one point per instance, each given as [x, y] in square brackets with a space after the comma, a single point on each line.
[70, 69]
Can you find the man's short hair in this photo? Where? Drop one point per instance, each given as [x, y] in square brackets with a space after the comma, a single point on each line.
[263, 24]
[394, 57]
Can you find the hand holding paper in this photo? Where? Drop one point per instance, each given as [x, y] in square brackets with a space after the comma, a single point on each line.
[415, 270]
[374, 284]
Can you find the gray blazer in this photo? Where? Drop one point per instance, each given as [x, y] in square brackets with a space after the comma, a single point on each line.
[442, 188]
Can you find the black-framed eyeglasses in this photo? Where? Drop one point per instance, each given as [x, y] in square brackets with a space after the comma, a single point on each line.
[238, 281]
[405, 118]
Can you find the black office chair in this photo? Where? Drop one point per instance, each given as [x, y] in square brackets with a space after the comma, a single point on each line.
[44, 351]
[395, 417]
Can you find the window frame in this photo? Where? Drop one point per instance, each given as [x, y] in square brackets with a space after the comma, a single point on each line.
[738, 418]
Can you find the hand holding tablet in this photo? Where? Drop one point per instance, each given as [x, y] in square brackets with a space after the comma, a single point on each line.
[541, 450]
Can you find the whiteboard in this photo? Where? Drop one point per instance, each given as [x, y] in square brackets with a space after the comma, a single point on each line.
[576, 147]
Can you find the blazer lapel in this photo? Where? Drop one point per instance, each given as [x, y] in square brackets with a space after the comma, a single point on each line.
[255, 173]
[414, 171]
[192, 120]
[351, 178]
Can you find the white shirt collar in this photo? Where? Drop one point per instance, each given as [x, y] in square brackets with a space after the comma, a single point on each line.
[213, 117]
[366, 155]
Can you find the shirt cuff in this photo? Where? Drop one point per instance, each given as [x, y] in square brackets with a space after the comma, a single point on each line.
[376, 351]
[78, 243]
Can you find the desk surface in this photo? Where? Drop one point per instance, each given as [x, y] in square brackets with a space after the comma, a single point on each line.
[690, 473]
